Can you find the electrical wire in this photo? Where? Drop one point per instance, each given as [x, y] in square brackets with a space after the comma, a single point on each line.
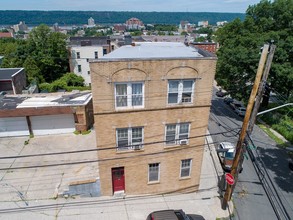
[101, 149]
[268, 185]
[103, 160]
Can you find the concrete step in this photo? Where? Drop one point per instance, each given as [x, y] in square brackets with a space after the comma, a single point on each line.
[119, 194]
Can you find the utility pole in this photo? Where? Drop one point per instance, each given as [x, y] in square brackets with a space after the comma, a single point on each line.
[239, 148]
[261, 88]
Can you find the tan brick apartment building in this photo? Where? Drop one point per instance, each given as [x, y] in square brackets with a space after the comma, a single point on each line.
[151, 101]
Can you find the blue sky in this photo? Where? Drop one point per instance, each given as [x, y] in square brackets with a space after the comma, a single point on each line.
[130, 5]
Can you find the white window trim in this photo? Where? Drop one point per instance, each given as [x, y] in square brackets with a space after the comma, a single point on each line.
[159, 173]
[190, 166]
[129, 96]
[129, 137]
[180, 91]
[177, 141]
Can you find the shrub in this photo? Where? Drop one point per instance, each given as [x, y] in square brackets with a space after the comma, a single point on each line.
[45, 87]
[68, 82]
[285, 127]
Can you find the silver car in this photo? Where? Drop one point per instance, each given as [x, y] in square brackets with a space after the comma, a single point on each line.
[240, 111]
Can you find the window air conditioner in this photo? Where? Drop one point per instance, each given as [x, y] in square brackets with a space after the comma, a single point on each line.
[183, 142]
[137, 147]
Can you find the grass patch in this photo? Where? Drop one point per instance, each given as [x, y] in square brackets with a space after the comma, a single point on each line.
[271, 134]
[86, 132]
[76, 132]
[82, 132]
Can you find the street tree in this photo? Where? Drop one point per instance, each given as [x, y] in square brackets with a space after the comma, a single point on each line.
[241, 42]
[49, 52]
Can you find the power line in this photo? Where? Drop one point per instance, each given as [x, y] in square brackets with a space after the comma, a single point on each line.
[108, 148]
[106, 159]
[101, 160]
[267, 183]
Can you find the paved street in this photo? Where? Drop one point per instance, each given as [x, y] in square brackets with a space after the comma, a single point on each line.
[252, 200]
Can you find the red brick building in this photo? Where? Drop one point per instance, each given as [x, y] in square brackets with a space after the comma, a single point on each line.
[208, 46]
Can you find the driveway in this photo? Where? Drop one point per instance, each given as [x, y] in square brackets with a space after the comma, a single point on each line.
[48, 175]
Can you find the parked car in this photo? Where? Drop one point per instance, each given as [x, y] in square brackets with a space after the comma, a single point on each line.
[226, 153]
[240, 111]
[221, 93]
[171, 214]
[235, 104]
[228, 100]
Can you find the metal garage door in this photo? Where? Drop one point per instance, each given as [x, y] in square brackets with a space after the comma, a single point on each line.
[52, 124]
[16, 126]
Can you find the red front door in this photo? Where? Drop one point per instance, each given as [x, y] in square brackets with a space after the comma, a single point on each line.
[118, 179]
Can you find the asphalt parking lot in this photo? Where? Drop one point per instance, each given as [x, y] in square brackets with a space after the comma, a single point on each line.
[45, 179]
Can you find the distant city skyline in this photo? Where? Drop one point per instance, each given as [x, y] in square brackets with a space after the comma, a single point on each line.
[234, 6]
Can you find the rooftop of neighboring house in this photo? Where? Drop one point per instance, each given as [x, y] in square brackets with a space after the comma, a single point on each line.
[155, 50]
[88, 41]
[7, 73]
[45, 100]
[5, 35]
[158, 38]
[203, 43]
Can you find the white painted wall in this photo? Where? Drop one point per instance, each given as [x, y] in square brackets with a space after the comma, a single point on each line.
[86, 54]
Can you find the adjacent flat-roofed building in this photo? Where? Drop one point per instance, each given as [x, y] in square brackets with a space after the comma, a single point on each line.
[45, 114]
[151, 108]
[84, 49]
[12, 80]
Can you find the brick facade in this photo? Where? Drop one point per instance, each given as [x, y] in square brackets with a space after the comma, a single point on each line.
[153, 117]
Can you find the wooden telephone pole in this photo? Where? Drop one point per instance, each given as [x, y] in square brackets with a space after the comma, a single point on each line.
[261, 88]
[239, 146]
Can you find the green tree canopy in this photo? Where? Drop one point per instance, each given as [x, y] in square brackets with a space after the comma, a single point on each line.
[44, 55]
[49, 51]
[67, 82]
[241, 42]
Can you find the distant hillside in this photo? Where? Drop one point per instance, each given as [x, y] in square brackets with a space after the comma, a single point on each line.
[111, 17]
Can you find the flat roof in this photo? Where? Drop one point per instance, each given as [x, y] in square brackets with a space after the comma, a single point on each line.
[7, 73]
[45, 100]
[157, 50]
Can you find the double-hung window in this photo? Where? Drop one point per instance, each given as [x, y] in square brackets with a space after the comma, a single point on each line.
[185, 168]
[79, 68]
[129, 138]
[154, 172]
[129, 95]
[96, 55]
[180, 91]
[78, 55]
[177, 133]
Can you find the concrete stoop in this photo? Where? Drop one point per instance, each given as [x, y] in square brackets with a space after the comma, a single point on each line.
[119, 194]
